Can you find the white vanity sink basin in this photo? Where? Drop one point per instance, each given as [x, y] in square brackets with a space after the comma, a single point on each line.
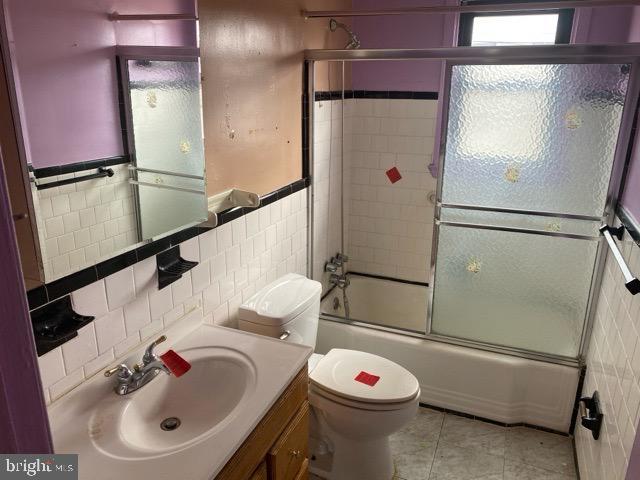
[235, 377]
[170, 413]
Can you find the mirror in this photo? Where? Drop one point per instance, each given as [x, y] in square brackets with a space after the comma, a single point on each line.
[163, 112]
[112, 136]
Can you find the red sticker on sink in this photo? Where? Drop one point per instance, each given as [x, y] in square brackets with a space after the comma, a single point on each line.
[367, 378]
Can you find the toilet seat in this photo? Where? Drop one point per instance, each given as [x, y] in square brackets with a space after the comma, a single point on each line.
[314, 390]
[334, 377]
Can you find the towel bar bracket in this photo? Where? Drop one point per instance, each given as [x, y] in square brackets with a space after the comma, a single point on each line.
[630, 281]
[617, 232]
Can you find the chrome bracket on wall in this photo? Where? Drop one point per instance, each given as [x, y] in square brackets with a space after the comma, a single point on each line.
[227, 200]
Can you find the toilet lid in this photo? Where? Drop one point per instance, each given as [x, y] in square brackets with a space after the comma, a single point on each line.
[364, 377]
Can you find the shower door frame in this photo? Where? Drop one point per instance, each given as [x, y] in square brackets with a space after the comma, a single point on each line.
[512, 55]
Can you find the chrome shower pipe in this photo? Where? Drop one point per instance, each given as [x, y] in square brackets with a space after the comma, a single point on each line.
[444, 9]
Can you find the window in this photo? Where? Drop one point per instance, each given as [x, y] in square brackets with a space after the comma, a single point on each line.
[532, 27]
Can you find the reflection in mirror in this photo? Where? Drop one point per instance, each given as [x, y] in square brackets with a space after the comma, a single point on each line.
[111, 136]
[164, 109]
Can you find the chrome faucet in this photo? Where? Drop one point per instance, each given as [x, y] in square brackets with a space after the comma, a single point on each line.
[341, 281]
[331, 266]
[336, 262]
[129, 380]
[341, 258]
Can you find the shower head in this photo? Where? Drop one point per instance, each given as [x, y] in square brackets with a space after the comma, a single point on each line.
[353, 40]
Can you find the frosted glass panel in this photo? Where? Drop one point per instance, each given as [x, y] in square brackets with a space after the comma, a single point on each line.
[162, 209]
[167, 115]
[512, 289]
[535, 137]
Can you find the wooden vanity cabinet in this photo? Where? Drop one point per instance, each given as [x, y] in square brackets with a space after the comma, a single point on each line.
[277, 449]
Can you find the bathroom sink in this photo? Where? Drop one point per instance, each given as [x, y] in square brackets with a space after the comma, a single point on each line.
[170, 413]
[185, 427]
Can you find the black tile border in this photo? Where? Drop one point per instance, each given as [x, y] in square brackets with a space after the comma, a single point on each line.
[65, 285]
[390, 279]
[494, 422]
[79, 166]
[331, 95]
[390, 94]
[37, 297]
[56, 289]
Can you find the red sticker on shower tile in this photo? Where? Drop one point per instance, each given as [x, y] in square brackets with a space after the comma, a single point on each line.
[367, 378]
[393, 174]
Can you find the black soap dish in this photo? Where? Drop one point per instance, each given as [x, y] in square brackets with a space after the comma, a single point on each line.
[171, 266]
[56, 323]
[591, 414]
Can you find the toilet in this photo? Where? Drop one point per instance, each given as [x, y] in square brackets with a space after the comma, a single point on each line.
[358, 399]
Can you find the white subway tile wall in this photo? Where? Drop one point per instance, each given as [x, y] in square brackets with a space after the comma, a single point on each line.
[388, 226]
[613, 369]
[82, 222]
[130, 309]
[330, 157]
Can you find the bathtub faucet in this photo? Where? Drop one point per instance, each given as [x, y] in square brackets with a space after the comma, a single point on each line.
[341, 281]
[340, 259]
[336, 262]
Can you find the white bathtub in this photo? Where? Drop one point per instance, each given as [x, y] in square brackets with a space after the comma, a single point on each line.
[499, 387]
[382, 302]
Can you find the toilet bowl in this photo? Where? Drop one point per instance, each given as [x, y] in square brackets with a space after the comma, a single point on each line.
[358, 399]
[358, 416]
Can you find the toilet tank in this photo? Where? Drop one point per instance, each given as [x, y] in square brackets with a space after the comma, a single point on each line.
[287, 308]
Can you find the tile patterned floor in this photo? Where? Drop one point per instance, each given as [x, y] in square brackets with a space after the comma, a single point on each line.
[441, 446]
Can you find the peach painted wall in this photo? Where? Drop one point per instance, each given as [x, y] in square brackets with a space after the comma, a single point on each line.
[252, 62]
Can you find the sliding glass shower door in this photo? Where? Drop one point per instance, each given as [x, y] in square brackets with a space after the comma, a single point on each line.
[524, 185]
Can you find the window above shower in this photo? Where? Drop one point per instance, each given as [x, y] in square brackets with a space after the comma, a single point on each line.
[534, 27]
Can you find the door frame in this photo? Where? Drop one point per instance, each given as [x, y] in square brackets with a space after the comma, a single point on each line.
[24, 422]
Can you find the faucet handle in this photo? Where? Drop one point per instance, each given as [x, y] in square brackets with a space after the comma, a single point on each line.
[122, 370]
[331, 266]
[149, 356]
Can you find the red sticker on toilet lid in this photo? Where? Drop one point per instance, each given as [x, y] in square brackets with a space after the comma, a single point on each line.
[367, 378]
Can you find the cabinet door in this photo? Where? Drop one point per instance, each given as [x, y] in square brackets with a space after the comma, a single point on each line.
[260, 473]
[303, 474]
[288, 455]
